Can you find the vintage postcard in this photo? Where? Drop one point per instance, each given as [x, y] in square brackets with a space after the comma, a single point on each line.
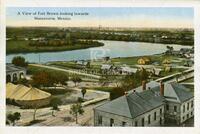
[100, 66]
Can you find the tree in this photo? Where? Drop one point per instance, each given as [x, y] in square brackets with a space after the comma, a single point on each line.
[128, 82]
[75, 110]
[41, 79]
[80, 100]
[55, 102]
[59, 78]
[23, 81]
[83, 91]
[76, 79]
[12, 118]
[19, 61]
[170, 48]
[117, 92]
[142, 75]
[63, 78]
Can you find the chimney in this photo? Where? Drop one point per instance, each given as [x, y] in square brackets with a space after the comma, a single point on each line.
[143, 85]
[161, 88]
[125, 93]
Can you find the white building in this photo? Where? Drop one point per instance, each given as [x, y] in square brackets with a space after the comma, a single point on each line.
[153, 106]
[14, 73]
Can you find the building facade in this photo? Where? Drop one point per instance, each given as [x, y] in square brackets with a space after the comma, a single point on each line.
[14, 73]
[153, 106]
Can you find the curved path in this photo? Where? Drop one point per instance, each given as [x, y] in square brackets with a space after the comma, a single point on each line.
[66, 70]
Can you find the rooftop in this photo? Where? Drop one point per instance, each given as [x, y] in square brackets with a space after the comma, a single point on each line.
[149, 85]
[13, 68]
[137, 103]
[133, 104]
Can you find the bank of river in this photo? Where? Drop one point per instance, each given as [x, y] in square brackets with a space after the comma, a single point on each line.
[112, 49]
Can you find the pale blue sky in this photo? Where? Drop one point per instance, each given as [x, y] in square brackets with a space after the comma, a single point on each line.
[109, 16]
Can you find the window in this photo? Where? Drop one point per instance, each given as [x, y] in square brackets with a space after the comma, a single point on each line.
[183, 108]
[123, 124]
[142, 121]
[191, 113]
[192, 104]
[188, 106]
[187, 115]
[154, 115]
[149, 119]
[160, 121]
[175, 108]
[183, 117]
[161, 111]
[167, 107]
[111, 122]
[99, 120]
[136, 124]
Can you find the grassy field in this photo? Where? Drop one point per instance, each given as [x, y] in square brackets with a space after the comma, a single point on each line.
[33, 69]
[22, 46]
[131, 61]
[159, 58]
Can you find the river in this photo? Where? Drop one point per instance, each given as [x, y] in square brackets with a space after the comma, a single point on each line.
[112, 49]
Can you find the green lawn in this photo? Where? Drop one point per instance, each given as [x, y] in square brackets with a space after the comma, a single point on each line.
[22, 46]
[133, 60]
[33, 69]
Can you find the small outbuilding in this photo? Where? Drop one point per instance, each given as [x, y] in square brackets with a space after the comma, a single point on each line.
[144, 61]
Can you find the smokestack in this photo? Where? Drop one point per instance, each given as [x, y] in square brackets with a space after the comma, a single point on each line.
[161, 88]
[125, 93]
[143, 85]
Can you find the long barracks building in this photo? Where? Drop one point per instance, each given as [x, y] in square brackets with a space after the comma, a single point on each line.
[152, 104]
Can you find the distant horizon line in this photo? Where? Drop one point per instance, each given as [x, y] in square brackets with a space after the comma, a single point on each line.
[102, 27]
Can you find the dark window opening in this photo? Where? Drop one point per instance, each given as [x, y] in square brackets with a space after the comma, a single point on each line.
[111, 122]
[167, 107]
[161, 111]
[154, 115]
[183, 108]
[192, 104]
[100, 120]
[160, 121]
[123, 124]
[142, 121]
[188, 106]
[136, 123]
[149, 119]
[175, 108]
